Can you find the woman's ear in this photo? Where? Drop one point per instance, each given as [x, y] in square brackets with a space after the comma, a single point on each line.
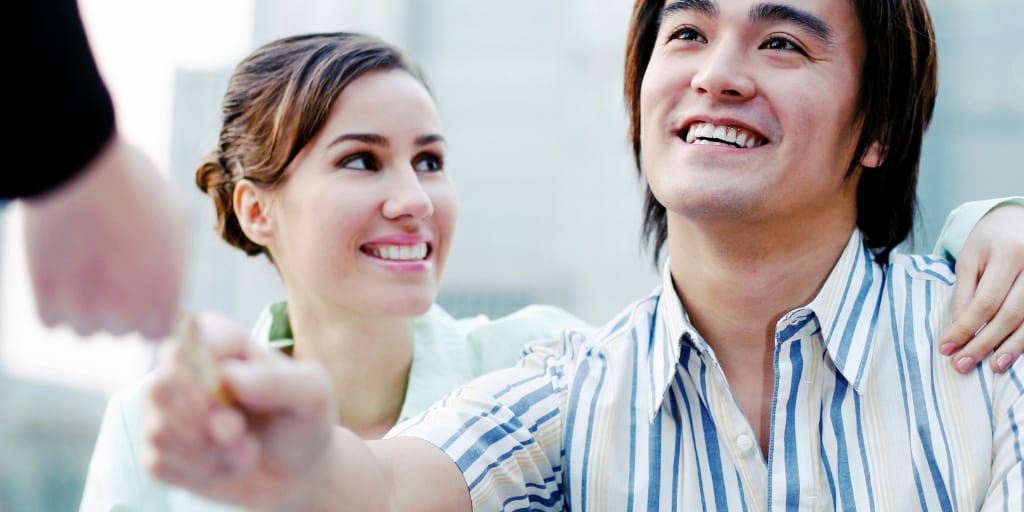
[874, 156]
[251, 205]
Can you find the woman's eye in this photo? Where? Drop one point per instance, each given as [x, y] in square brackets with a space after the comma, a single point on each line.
[689, 34]
[781, 43]
[360, 162]
[429, 163]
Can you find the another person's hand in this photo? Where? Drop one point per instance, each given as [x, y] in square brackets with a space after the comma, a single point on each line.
[988, 303]
[106, 251]
[263, 451]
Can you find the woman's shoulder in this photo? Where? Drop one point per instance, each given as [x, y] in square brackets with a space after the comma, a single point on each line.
[495, 343]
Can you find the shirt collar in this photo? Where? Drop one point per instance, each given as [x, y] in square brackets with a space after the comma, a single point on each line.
[846, 307]
[670, 330]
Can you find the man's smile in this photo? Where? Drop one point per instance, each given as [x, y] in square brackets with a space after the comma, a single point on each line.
[701, 132]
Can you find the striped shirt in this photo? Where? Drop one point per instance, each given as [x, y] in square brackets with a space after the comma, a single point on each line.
[866, 414]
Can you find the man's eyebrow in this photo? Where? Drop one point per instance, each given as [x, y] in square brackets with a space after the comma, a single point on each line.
[423, 140]
[706, 7]
[763, 13]
[368, 138]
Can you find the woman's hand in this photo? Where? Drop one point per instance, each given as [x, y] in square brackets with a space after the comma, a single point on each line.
[988, 302]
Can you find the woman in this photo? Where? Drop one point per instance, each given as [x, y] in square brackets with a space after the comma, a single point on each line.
[331, 162]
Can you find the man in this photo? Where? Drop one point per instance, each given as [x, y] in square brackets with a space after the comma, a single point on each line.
[788, 361]
[104, 231]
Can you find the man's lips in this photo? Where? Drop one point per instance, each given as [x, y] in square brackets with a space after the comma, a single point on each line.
[722, 134]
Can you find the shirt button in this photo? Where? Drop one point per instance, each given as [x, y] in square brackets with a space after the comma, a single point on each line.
[744, 443]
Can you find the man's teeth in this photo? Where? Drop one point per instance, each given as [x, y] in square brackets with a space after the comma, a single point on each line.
[399, 252]
[707, 133]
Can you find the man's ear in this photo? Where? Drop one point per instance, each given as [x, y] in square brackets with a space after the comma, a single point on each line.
[874, 156]
[252, 208]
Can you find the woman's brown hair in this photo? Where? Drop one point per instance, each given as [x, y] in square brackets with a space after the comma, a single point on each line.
[277, 100]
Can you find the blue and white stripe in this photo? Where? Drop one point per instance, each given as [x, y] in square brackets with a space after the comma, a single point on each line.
[867, 414]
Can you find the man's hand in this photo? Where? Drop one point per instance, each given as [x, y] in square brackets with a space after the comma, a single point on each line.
[106, 251]
[267, 449]
[988, 303]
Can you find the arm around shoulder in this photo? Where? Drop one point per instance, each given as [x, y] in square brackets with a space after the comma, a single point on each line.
[962, 220]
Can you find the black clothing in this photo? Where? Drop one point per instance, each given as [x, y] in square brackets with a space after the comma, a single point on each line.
[63, 112]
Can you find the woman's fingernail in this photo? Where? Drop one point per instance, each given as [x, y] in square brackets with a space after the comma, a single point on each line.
[947, 349]
[1003, 362]
[964, 364]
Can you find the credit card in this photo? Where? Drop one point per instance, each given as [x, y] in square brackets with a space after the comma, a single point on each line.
[201, 360]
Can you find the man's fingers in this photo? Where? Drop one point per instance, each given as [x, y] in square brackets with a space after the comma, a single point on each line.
[271, 385]
[172, 410]
[225, 426]
[224, 336]
[195, 466]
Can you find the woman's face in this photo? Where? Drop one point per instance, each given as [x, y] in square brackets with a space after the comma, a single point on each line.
[364, 217]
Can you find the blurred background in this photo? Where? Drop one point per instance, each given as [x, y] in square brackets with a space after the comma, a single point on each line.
[530, 97]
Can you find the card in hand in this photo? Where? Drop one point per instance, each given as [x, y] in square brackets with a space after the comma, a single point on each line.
[201, 360]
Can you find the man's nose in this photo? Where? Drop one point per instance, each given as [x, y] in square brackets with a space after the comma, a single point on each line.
[724, 74]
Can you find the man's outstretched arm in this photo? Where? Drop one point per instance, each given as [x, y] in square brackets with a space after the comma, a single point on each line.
[275, 446]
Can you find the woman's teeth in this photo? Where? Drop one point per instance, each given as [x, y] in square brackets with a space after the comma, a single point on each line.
[414, 252]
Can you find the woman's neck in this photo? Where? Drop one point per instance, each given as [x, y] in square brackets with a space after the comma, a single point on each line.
[368, 359]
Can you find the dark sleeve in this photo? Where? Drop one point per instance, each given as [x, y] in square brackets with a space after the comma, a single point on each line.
[63, 112]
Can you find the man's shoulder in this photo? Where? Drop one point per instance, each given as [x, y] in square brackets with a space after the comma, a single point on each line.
[624, 328]
[921, 268]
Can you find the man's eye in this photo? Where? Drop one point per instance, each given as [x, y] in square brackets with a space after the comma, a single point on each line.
[689, 34]
[359, 162]
[781, 43]
[429, 163]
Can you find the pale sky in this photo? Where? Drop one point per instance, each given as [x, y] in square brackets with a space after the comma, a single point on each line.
[138, 45]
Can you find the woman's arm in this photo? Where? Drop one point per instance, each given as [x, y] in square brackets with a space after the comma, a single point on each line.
[988, 303]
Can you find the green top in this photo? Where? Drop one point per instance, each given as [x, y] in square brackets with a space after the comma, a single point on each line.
[438, 364]
[962, 220]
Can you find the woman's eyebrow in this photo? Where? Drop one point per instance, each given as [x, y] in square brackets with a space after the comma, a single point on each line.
[368, 138]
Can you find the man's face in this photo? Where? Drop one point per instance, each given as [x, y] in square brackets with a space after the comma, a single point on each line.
[748, 109]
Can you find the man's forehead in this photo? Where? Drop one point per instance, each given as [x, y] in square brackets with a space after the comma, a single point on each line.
[716, 7]
[824, 19]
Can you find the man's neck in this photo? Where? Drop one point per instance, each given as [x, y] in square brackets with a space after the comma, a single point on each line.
[736, 282]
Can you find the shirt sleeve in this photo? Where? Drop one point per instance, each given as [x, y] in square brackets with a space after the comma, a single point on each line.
[504, 431]
[962, 220]
[63, 111]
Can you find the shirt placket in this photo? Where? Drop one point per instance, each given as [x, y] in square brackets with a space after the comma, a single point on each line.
[739, 440]
[794, 444]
